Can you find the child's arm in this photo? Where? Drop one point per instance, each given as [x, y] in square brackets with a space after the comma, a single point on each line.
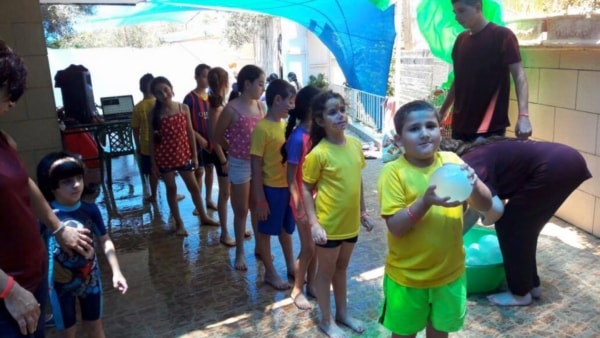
[365, 219]
[69, 238]
[260, 201]
[317, 232]
[190, 136]
[481, 197]
[200, 140]
[152, 146]
[119, 281]
[217, 148]
[405, 219]
[224, 120]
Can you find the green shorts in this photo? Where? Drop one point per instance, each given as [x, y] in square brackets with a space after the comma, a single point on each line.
[407, 310]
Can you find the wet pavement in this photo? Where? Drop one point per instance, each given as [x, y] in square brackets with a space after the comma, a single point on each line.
[187, 287]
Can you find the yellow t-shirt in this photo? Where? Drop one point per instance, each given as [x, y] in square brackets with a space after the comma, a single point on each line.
[431, 254]
[267, 138]
[141, 119]
[336, 171]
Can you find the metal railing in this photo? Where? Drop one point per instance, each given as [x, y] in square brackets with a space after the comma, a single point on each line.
[363, 107]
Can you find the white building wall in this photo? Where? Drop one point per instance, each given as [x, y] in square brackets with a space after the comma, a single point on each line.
[306, 55]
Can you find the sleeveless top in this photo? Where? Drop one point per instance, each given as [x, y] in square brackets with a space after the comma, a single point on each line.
[239, 133]
[173, 151]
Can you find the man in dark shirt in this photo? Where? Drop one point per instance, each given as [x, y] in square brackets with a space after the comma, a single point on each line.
[484, 56]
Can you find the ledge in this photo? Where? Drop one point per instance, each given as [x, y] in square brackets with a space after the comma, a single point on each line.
[568, 31]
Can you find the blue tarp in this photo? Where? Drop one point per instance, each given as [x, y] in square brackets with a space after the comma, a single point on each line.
[359, 34]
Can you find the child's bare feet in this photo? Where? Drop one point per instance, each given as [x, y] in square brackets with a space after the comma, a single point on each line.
[209, 221]
[247, 234]
[240, 262]
[508, 299]
[180, 230]
[300, 300]
[227, 241]
[356, 325]
[180, 197]
[332, 330]
[276, 282]
[210, 205]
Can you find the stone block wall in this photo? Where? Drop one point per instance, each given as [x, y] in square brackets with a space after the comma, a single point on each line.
[564, 107]
[418, 73]
[32, 123]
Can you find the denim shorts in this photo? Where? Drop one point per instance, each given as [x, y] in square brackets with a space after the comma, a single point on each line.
[240, 171]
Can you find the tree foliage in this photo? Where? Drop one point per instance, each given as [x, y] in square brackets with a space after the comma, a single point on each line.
[243, 27]
[58, 20]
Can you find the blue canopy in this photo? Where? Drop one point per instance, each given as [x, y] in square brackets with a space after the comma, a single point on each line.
[358, 33]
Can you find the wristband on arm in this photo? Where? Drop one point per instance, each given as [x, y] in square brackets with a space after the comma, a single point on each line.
[10, 282]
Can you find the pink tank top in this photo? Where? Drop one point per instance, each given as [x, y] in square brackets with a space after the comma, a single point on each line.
[239, 134]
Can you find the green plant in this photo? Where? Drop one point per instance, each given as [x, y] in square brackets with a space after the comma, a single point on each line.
[318, 81]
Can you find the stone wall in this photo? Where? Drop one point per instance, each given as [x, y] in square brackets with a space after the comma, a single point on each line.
[564, 107]
[419, 72]
[32, 123]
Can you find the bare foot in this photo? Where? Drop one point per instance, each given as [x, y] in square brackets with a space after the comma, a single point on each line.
[276, 282]
[180, 230]
[536, 292]
[356, 325]
[332, 330]
[210, 205]
[240, 263]
[180, 197]
[300, 300]
[508, 299]
[247, 234]
[227, 241]
[209, 221]
[195, 212]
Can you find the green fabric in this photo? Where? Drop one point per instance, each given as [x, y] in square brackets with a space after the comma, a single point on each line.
[436, 22]
[381, 4]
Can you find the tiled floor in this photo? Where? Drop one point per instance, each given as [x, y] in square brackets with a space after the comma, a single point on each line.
[188, 287]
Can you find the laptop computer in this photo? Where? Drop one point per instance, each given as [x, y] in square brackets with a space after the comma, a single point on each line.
[117, 107]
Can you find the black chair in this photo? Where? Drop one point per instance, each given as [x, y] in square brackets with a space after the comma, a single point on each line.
[114, 140]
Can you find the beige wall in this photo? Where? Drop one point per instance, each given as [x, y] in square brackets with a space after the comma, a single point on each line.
[32, 123]
[564, 107]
